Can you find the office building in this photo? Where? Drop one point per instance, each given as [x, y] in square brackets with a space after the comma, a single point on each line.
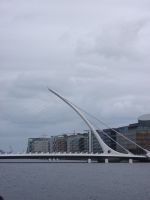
[77, 143]
[38, 145]
[58, 143]
[138, 132]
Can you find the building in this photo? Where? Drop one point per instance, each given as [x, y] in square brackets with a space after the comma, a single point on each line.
[95, 146]
[129, 132]
[77, 143]
[59, 143]
[106, 136]
[143, 131]
[38, 145]
[109, 137]
[138, 132]
[68, 143]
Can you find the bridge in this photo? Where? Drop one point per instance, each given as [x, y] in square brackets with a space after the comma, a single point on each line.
[108, 154]
[89, 157]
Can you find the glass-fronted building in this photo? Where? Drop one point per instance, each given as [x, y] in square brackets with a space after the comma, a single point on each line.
[138, 132]
[77, 143]
[38, 145]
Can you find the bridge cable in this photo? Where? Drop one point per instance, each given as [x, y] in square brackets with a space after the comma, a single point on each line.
[106, 134]
[100, 121]
[126, 150]
[114, 141]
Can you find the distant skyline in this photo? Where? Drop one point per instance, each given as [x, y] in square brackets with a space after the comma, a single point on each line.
[95, 53]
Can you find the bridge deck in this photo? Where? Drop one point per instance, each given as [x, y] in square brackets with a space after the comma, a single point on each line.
[72, 156]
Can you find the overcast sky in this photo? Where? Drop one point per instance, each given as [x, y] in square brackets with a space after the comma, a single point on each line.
[96, 53]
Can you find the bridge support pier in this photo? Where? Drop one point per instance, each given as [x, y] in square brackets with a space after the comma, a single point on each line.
[130, 161]
[106, 160]
[89, 160]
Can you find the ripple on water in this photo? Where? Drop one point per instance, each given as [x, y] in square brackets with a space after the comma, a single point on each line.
[72, 181]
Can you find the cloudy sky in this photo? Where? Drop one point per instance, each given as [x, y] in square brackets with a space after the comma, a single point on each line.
[94, 52]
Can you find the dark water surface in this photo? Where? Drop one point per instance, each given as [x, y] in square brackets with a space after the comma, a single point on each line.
[74, 181]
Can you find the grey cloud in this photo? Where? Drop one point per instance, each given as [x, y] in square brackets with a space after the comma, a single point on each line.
[94, 53]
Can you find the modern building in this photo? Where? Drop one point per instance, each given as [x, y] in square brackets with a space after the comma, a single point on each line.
[95, 146]
[58, 143]
[38, 145]
[138, 132]
[143, 131]
[109, 137]
[106, 135]
[77, 143]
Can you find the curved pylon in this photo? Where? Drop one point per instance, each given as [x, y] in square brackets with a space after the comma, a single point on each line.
[106, 149]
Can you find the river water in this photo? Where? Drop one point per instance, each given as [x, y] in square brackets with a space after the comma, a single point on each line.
[75, 181]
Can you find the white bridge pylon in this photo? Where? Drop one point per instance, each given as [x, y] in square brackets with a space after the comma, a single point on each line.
[105, 148]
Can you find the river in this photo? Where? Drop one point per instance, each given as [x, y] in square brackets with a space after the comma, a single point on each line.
[75, 181]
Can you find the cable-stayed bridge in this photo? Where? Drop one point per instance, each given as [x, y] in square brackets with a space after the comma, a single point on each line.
[108, 154]
[98, 157]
